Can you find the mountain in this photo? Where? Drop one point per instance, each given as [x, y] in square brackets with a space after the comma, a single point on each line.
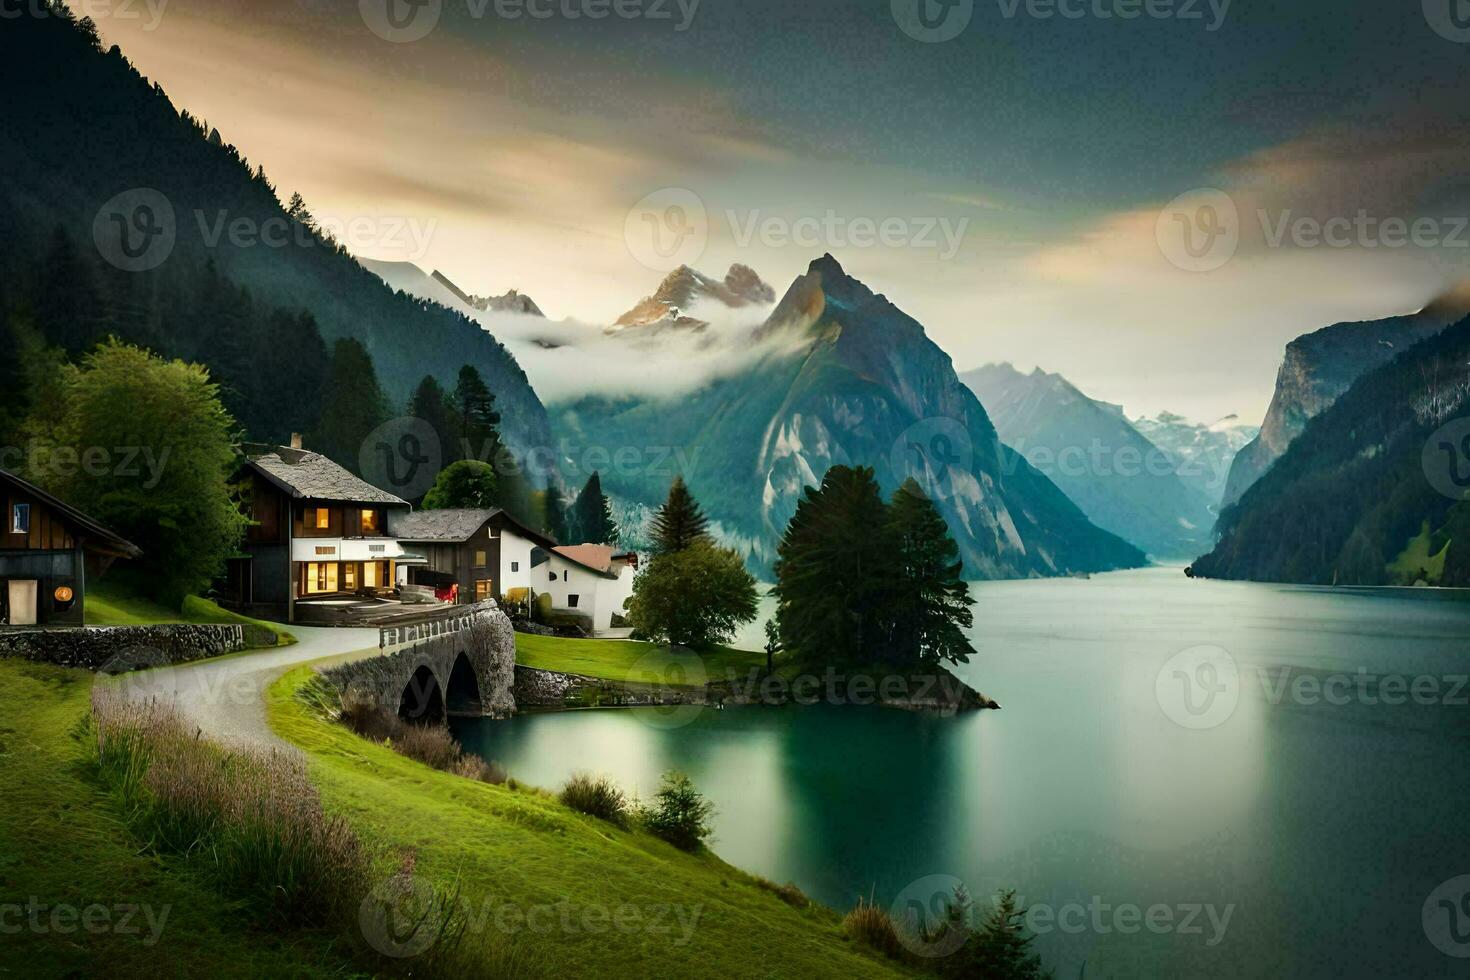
[89, 146]
[1319, 367]
[684, 289]
[842, 376]
[511, 302]
[1205, 452]
[1376, 488]
[1123, 483]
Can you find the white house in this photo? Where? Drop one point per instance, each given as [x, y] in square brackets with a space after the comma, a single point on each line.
[594, 580]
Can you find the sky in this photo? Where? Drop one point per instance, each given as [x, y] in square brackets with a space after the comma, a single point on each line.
[1151, 197]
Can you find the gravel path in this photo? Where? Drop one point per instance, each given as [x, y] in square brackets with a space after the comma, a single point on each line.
[225, 697]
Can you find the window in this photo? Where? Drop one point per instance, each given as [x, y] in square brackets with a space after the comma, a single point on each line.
[372, 575]
[484, 589]
[566, 576]
[371, 522]
[319, 518]
[572, 601]
[551, 577]
[349, 577]
[481, 559]
[20, 519]
[321, 577]
[515, 566]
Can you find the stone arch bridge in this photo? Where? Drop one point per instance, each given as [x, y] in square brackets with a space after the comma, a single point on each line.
[458, 663]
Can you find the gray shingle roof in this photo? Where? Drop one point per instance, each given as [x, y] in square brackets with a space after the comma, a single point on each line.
[438, 525]
[456, 526]
[313, 476]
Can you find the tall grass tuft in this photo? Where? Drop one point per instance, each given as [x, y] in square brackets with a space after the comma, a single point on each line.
[597, 796]
[871, 925]
[251, 819]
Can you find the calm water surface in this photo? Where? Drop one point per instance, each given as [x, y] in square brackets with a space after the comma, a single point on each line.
[1320, 829]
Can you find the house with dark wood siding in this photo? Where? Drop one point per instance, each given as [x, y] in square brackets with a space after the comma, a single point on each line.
[480, 554]
[317, 535]
[49, 551]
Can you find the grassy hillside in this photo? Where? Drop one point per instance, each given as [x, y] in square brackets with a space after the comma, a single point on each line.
[509, 852]
[118, 607]
[615, 659]
[62, 844]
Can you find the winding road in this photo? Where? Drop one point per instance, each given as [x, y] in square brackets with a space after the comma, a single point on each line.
[225, 697]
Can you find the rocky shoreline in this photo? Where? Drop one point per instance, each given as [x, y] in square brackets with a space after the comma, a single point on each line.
[940, 692]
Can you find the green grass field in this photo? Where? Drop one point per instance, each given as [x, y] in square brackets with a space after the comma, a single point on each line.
[115, 607]
[62, 844]
[623, 660]
[514, 851]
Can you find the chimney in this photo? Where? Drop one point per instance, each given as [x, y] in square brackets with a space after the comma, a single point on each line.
[295, 440]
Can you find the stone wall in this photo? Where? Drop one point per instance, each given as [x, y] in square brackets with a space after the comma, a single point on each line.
[552, 689]
[120, 649]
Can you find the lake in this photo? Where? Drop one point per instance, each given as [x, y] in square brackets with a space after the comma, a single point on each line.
[1187, 778]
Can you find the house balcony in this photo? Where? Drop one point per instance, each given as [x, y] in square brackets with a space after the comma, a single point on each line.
[346, 549]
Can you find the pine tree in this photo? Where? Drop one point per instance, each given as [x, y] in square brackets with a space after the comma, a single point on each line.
[930, 601]
[592, 519]
[680, 522]
[431, 405]
[353, 405]
[833, 572]
[556, 524]
[479, 422]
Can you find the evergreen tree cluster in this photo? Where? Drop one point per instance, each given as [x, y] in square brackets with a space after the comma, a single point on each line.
[693, 592]
[862, 583]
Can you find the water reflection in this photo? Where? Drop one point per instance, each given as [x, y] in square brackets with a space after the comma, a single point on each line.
[1320, 827]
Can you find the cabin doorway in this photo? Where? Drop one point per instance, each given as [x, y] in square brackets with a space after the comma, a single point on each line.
[20, 602]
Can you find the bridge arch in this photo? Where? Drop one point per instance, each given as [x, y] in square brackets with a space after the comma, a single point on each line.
[462, 694]
[422, 699]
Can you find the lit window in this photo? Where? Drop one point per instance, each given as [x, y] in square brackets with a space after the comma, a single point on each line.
[371, 575]
[481, 559]
[370, 522]
[323, 518]
[349, 577]
[572, 601]
[20, 519]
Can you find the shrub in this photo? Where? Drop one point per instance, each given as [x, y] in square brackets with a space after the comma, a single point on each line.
[679, 814]
[999, 947]
[431, 745]
[597, 796]
[872, 926]
[787, 893]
